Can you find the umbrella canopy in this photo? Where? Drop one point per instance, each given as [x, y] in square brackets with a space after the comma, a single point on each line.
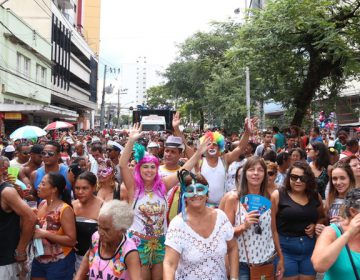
[58, 125]
[27, 132]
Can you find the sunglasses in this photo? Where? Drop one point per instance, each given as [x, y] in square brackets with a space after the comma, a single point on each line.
[196, 189]
[271, 173]
[257, 229]
[48, 153]
[294, 178]
[25, 153]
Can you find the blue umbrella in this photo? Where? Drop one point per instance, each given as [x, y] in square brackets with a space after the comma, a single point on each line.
[27, 132]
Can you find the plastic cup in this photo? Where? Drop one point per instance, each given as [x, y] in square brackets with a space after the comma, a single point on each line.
[14, 171]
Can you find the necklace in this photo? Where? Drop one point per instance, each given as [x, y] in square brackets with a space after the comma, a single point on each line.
[100, 274]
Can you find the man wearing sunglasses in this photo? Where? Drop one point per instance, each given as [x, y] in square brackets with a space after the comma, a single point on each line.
[22, 155]
[51, 157]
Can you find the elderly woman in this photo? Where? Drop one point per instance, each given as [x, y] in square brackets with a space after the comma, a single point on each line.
[256, 234]
[112, 255]
[198, 240]
[148, 192]
[339, 243]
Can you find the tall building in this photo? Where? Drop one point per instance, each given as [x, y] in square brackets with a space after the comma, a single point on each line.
[74, 64]
[90, 22]
[141, 75]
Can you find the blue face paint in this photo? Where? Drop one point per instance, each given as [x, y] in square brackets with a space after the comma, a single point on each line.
[196, 189]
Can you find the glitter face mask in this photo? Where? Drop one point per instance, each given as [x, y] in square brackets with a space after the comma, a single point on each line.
[196, 189]
[104, 172]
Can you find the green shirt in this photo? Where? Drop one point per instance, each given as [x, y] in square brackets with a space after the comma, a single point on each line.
[342, 269]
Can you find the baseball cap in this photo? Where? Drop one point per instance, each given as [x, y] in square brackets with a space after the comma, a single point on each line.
[174, 142]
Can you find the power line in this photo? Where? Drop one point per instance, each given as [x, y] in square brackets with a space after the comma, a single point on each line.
[42, 8]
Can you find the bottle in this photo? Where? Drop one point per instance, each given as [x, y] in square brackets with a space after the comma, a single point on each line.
[39, 249]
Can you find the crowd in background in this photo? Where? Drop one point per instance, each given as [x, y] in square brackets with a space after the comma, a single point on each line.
[128, 204]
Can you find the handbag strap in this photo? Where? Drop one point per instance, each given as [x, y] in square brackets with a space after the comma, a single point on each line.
[242, 236]
[350, 255]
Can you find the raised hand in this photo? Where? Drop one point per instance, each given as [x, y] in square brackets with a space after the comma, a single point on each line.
[204, 145]
[250, 124]
[135, 132]
[176, 120]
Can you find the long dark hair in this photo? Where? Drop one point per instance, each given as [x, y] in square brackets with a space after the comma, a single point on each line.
[323, 158]
[58, 181]
[244, 188]
[310, 183]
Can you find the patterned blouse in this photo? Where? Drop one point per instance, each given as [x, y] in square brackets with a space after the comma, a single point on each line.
[201, 258]
[109, 268]
[52, 222]
[260, 247]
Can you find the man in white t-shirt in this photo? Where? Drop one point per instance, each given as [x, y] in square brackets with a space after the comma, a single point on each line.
[214, 166]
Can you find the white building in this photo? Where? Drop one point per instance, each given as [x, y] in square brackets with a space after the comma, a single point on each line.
[74, 64]
[141, 76]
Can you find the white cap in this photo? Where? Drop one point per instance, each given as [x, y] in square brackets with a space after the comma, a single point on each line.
[9, 149]
[153, 145]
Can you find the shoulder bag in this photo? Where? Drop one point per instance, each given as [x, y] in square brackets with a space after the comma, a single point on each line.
[350, 256]
[258, 271]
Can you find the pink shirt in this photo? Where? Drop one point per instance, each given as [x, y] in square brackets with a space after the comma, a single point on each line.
[113, 268]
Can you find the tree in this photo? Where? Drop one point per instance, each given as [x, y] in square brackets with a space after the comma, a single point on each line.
[300, 50]
[159, 97]
[189, 76]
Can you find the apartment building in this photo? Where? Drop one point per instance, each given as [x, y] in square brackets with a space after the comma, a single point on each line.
[74, 65]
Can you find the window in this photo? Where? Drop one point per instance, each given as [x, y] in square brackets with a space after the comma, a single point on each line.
[8, 101]
[26, 66]
[18, 62]
[40, 74]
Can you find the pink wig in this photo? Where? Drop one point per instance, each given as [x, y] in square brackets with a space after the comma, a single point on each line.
[158, 185]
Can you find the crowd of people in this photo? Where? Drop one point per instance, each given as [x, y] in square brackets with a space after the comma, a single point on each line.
[175, 205]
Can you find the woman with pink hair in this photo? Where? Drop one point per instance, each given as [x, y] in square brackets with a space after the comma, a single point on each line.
[147, 191]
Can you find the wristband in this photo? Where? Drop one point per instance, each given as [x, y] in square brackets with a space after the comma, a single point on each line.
[19, 254]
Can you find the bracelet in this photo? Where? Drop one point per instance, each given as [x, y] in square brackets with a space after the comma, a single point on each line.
[18, 254]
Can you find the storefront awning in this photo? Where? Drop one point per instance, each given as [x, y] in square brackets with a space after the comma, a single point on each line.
[39, 110]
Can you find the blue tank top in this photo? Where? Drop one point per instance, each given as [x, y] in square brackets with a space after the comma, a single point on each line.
[342, 269]
[40, 173]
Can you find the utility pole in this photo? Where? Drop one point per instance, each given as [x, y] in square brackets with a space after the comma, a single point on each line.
[247, 74]
[102, 109]
[118, 110]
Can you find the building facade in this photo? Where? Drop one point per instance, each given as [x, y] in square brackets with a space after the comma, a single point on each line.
[72, 76]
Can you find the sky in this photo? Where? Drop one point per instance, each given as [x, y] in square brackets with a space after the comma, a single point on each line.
[134, 28]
